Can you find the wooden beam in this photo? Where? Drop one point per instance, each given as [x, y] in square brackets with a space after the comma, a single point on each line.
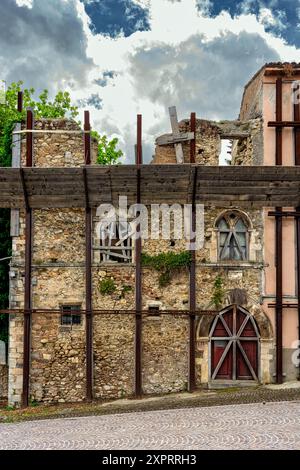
[176, 133]
[169, 139]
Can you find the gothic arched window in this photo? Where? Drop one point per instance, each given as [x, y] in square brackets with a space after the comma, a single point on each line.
[232, 237]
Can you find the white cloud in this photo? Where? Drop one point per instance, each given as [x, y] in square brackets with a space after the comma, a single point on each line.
[267, 18]
[24, 3]
[189, 60]
[186, 59]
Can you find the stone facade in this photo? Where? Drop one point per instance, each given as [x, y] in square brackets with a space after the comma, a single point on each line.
[58, 350]
[3, 381]
[246, 137]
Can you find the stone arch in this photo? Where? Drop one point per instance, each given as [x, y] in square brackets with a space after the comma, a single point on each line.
[240, 212]
[266, 340]
[262, 320]
[214, 242]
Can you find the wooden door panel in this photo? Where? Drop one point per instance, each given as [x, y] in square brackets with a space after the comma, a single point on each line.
[249, 330]
[250, 348]
[225, 371]
[220, 329]
[234, 324]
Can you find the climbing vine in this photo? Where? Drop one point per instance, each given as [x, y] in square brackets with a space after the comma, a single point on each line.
[166, 264]
[107, 286]
[218, 292]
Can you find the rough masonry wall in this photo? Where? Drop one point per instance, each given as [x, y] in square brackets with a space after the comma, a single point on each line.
[252, 101]
[58, 149]
[246, 137]
[208, 145]
[3, 381]
[58, 352]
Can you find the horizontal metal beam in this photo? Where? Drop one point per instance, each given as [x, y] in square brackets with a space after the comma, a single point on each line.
[284, 124]
[112, 312]
[284, 214]
[283, 305]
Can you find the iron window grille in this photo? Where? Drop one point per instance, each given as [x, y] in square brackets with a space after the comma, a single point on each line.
[70, 315]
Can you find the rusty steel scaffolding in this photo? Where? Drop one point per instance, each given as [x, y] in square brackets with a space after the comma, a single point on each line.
[279, 214]
[192, 313]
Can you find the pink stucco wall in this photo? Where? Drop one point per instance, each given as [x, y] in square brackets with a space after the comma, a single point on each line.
[290, 321]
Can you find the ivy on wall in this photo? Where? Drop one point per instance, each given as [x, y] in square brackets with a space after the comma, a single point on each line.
[166, 264]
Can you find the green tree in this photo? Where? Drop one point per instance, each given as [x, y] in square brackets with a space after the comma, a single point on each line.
[108, 154]
[43, 108]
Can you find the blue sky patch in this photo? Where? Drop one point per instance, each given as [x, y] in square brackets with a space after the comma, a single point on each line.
[285, 12]
[114, 17]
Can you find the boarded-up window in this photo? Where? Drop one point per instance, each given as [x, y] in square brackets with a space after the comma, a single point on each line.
[116, 242]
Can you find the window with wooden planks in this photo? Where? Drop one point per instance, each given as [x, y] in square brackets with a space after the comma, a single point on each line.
[116, 242]
[233, 237]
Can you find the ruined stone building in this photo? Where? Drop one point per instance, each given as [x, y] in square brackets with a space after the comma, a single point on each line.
[236, 337]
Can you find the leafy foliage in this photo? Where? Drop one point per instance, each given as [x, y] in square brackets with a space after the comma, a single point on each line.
[166, 264]
[43, 108]
[108, 154]
[218, 292]
[107, 286]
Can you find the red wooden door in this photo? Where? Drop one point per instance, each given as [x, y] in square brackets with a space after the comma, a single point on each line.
[234, 345]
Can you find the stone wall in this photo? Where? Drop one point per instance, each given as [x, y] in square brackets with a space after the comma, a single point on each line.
[58, 149]
[3, 381]
[58, 351]
[252, 101]
[246, 137]
[208, 145]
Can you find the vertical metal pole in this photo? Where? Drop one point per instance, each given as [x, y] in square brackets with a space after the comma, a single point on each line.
[88, 267]
[138, 271]
[193, 142]
[28, 264]
[234, 322]
[87, 138]
[29, 138]
[192, 295]
[192, 290]
[20, 101]
[297, 219]
[278, 241]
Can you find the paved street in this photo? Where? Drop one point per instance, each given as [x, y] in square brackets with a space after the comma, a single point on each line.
[254, 426]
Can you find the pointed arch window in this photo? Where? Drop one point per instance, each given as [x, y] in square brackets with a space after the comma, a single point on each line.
[233, 234]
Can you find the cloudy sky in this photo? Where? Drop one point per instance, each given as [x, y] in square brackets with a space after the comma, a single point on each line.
[123, 57]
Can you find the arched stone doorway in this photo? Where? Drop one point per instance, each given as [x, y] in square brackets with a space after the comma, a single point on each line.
[234, 345]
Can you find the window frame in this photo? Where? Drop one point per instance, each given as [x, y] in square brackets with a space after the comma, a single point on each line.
[232, 235]
[74, 311]
[115, 247]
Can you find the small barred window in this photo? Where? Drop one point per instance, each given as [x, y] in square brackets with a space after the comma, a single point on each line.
[70, 315]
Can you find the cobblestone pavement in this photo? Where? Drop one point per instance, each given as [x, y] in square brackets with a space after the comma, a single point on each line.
[252, 426]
